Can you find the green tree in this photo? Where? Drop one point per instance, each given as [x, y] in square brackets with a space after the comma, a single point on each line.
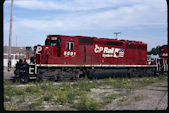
[155, 50]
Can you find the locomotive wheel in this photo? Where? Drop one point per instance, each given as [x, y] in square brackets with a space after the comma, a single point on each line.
[24, 79]
[83, 73]
[39, 78]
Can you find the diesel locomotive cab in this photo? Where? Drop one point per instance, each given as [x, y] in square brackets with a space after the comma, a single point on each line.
[44, 53]
[54, 41]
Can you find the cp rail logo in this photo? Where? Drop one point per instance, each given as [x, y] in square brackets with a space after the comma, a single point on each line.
[112, 52]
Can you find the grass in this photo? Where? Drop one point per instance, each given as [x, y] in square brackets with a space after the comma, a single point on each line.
[36, 105]
[123, 101]
[86, 103]
[76, 95]
[61, 96]
[47, 97]
[11, 107]
[22, 99]
[108, 99]
[163, 77]
[32, 89]
[85, 85]
[138, 97]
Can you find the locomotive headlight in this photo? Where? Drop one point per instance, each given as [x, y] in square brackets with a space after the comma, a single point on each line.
[38, 49]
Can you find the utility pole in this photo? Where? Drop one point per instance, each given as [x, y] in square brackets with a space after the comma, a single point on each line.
[116, 33]
[16, 40]
[10, 38]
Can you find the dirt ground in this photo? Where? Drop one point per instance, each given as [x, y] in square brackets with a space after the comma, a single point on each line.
[7, 75]
[154, 97]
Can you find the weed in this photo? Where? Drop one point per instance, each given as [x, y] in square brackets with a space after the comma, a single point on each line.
[47, 97]
[61, 96]
[12, 91]
[128, 90]
[19, 92]
[8, 82]
[94, 105]
[138, 98]
[22, 99]
[11, 107]
[85, 85]
[7, 98]
[117, 83]
[151, 80]
[35, 105]
[125, 81]
[67, 87]
[162, 77]
[123, 101]
[86, 103]
[44, 86]
[107, 81]
[32, 89]
[146, 81]
[71, 94]
[108, 99]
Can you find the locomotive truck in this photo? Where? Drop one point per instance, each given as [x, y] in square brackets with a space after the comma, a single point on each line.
[72, 57]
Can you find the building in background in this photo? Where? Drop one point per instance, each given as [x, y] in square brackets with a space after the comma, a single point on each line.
[16, 54]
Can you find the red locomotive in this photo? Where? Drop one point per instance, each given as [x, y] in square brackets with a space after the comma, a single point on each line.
[163, 60]
[71, 57]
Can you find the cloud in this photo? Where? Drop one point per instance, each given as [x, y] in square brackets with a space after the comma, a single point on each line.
[73, 5]
[128, 16]
[120, 13]
[88, 15]
[82, 5]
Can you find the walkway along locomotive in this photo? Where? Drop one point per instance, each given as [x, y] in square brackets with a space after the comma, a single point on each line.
[71, 57]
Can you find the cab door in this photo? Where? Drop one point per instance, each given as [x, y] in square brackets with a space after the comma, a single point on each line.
[83, 50]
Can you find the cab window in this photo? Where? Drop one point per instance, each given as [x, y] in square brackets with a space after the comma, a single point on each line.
[51, 42]
[54, 41]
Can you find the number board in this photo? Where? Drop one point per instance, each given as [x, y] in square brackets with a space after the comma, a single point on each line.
[54, 38]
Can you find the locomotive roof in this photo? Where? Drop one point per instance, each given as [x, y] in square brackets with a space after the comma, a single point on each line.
[98, 39]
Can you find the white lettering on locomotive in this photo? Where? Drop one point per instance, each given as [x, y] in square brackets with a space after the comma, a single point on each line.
[69, 53]
[98, 49]
[109, 52]
[54, 38]
[32, 69]
[38, 49]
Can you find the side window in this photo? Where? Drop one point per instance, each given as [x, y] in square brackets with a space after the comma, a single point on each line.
[69, 45]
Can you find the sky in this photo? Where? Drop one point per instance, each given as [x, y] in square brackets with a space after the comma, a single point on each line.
[139, 20]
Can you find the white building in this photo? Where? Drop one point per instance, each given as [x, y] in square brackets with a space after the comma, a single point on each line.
[16, 54]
